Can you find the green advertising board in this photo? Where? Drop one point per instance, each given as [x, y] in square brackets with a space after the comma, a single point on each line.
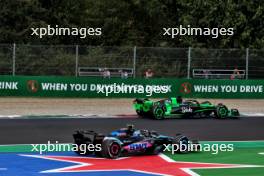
[49, 86]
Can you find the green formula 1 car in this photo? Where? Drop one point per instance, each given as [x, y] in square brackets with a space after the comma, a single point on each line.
[177, 108]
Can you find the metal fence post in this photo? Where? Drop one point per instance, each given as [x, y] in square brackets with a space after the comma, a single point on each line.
[134, 61]
[247, 55]
[14, 60]
[189, 63]
[76, 60]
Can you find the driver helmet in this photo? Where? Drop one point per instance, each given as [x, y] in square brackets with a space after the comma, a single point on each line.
[130, 129]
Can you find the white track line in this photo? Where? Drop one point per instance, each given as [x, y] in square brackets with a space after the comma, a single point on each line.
[88, 116]
[252, 114]
[93, 116]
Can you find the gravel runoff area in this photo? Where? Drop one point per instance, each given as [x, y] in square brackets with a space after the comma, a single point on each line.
[83, 106]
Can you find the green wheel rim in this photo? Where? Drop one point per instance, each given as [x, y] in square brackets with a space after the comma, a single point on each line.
[159, 113]
[222, 112]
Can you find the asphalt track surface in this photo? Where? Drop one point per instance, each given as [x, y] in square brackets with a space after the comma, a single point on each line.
[33, 131]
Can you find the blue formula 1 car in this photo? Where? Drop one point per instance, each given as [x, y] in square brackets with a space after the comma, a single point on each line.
[129, 141]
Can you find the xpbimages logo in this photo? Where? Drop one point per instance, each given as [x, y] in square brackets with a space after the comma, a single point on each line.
[66, 31]
[197, 31]
[64, 147]
[183, 147]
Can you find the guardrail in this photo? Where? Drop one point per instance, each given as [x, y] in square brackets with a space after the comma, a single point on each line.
[218, 74]
[102, 72]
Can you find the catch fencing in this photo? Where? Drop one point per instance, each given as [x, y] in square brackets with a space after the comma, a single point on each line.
[65, 60]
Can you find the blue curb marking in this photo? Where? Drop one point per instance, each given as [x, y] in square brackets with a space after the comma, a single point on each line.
[13, 164]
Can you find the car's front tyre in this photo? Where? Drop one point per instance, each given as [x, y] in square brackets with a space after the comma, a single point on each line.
[158, 112]
[221, 111]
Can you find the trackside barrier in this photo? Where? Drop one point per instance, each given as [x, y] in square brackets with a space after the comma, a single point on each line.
[41, 86]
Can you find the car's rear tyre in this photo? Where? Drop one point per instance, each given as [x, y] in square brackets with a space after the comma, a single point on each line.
[158, 112]
[221, 111]
[182, 143]
[111, 148]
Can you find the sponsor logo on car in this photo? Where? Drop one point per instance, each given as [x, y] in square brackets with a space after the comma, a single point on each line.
[138, 146]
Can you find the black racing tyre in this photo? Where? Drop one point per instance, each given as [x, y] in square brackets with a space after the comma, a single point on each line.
[82, 144]
[182, 143]
[221, 111]
[111, 148]
[158, 112]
